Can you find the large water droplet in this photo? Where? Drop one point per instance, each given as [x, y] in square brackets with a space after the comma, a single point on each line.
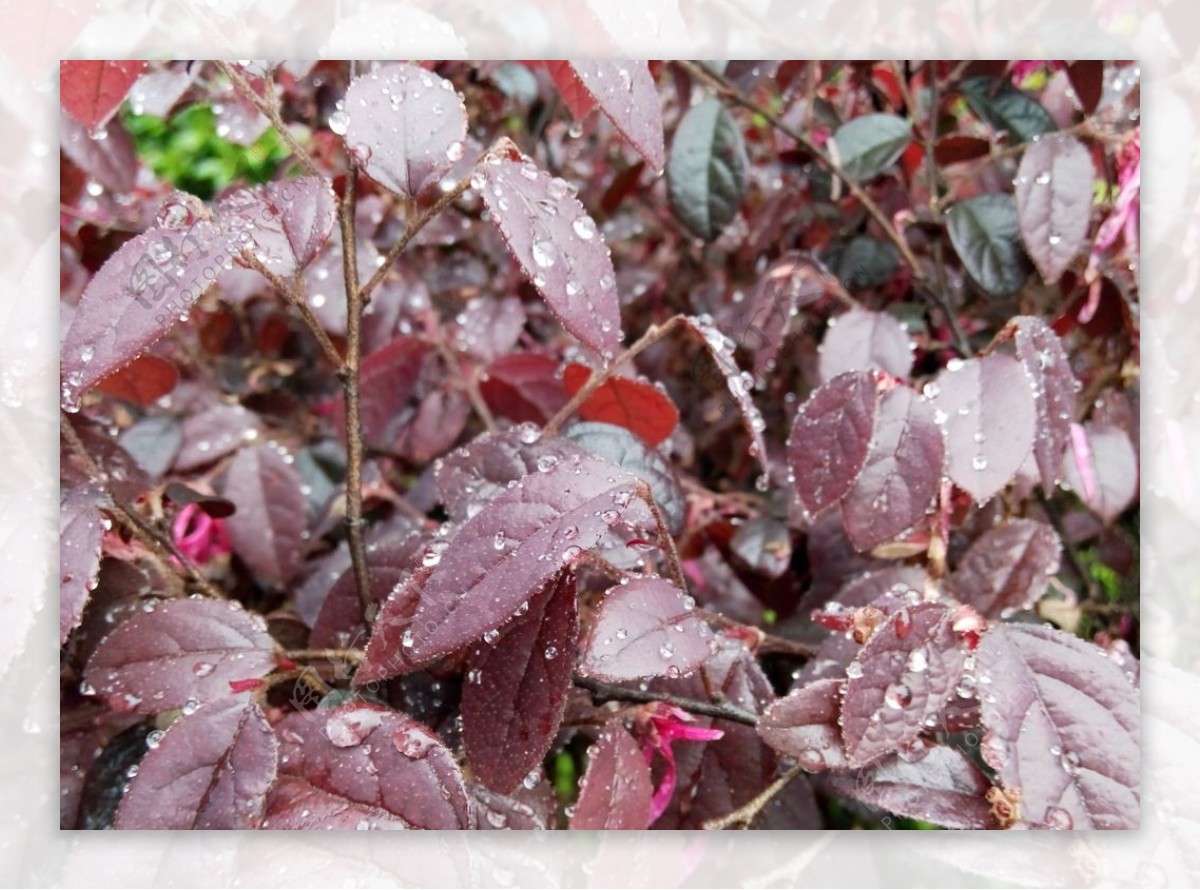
[854, 670]
[897, 696]
[584, 228]
[543, 254]
[339, 122]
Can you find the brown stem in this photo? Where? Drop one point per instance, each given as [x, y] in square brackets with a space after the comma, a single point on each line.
[653, 335]
[163, 548]
[721, 710]
[354, 655]
[349, 378]
[297, 300]
[665, 540]
[765, 643]
[746, 814]
[270, 111]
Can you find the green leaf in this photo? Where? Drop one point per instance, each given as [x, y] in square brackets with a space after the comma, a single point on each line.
[862, 262]
[870, 144]
[984, 232]
[706, 174]
[1003, 107]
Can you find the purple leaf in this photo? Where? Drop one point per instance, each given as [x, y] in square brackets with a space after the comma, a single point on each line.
[626, 93]
[481, 470]
[740, 383]
[112, 161]
[1007, 568]
[404, 125]
[124, 478]
[363, 766]
[1045, 362]
[516, 689]
[1062, 727]
[136, 297]
[874, 586]
[901, 678]
[489, 327]
[1101, 467]
[182, 654]
[764, 544]
[214, 432]
[211, 769]
[646, 628]
[287, 222]
[1054, 202]
[937, 785]
[558, 246]
[902, 474]
[790, 283]
[860, 340]
[831, 437]
[81, 528]
[988, 412]
[268, 529]
[389, 649]
[513, 546]
[615, 793]
[526, 809]
[804, 725]
[387, 380]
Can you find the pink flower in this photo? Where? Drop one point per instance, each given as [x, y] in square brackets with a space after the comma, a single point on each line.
[1025, 67]
[667, 724]
[1122, 220]
[198, 536]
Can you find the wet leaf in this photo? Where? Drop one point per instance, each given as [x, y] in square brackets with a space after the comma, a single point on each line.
[404, 125]
[804, 725]
[81, 527]
[616, 791]
[1004, 107]
[1063, 728]
[861, 339]
[489, 328]
[181, 654]
[706, 172]
[902, 474]
[1046, 364]
[868, 145]
[92, 90]
[143, 381]
[1101, 467]
[1054, 202]
[287, 222]
[647, 627]
[269, 528]
[764, 544]
[636, 405]
[902, 677]
[624, 90]
[988, 412]
[524, 387]
[211, 769]
[985, 234]
[362, 766]
[831, 438]
[211, 433]
[388, 379]
[1007, 568]
[557, 244]
[516, 689]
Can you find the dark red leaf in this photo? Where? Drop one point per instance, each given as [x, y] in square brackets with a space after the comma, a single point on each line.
[138, 295]
[902, 474]
[404, 125]
[637, 406]
[955, 149]
[181, 654]
[268, 530]
[804, 725]
[286, 222]
[526, 809]
[211, 769]
[111, 161]
[439, 421]
[574, 94]
[1101, 467]
[513, 546]
[389, 649]
[831, 437]
[625, 91]
[362, 766]
[646, 627]
[524, 387]
[1062, 727]
[92, 90]
[861, 339]
[81, 527]
[1087, 79]
[902, 677]
[1054, 202]
[559, 248]
[1007, 568]
[987, 409]
[143, 381]
[616, 791]
[516, 689]
[1049, 370]
[938, 784]
[387, 380]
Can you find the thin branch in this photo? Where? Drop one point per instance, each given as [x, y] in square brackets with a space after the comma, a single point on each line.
[470, 383]
[163, 548]
[764, 642]
[297, 300]
[355, 655]
[270, 111]
[349, 378]
[1069, 549]
[721, 710]
[653, 335]
[746, 814]
[665, 540]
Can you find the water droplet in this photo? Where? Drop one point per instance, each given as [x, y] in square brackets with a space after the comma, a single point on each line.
[918, 660]
[543, 254]
[1070, 763]
[495, 819]
[189, 707]
[1055, 238]
[571, 553]
[622, 633]
[1058, 819]
[491, 636]
[812, 760]
[154, 739]
[500, 541]
[854, 670]
[546, 463]
[897, 696]
[1043, 178]
[454, 152]
[407, 640]
[979, 462]
[339, 122]
[666, 650]
[347, 730]
[551, 653]
[202, 668]
[528, 433]
[584, 228]
[413, 742]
